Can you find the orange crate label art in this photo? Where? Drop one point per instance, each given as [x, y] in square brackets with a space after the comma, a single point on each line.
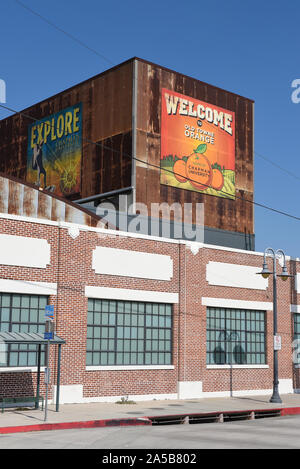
[197, 146]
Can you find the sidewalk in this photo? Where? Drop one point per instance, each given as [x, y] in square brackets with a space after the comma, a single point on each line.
[112, 414]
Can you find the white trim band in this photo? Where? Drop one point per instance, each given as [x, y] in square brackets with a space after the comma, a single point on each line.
[125, 263]
[130, 295]
[238, 304]
[21, 369]
[235, 275]
[27, 287]
[24, 251]
[228, 367]
[129, 367]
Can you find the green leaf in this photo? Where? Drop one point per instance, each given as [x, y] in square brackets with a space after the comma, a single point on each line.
[201, 148]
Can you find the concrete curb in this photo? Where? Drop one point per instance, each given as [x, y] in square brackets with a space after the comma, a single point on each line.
[80, 424]
[141, 421]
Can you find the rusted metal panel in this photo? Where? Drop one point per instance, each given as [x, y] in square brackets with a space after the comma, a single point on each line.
[58, 210]
[4, 194]
[107, 121]
[30, 202]
[25, 200]
[226, 214]
[44, 206]
[106, 107]
[15, 200]
[112, 163]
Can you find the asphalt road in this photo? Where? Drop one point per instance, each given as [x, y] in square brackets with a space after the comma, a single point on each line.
[269, 433]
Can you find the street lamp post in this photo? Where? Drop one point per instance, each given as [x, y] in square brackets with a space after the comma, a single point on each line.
[284, 276]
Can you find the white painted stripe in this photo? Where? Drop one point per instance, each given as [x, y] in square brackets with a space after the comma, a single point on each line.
[297, 283]
[238, 304]
[235, 275]
[26, 369]
[28, 287]
[125, 263]
[224, 367]
[130, 295]
[24, 251]
[250, 392]
[130, 368]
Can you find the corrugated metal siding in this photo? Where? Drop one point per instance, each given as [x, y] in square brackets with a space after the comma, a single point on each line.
[17, 198]
[107, 120]
[106, 105]
[233, 215]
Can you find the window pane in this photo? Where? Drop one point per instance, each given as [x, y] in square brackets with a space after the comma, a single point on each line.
[127, 323]
[43, 301]
[16, 300]
[25, 315]
[34, 302]
[32, 358]
[25, 301]
[22, 359]
[15, 316]
[34, 315]
[89, 358]
[13, 359]
[6, 299]
[111, 359]
[5, 314]
[22, 313]
[104, 319]
[231, 339]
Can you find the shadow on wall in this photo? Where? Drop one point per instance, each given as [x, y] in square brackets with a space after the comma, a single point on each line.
[238, 356]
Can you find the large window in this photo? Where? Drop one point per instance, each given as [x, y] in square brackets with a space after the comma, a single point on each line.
[22, 313]
[235, 336]
[296, 356]
[128, 333]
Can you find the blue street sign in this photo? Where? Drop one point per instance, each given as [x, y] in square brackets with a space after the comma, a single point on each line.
[48, 335]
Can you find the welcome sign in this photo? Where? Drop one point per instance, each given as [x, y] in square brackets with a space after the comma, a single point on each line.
[54, 151]
[197, 145]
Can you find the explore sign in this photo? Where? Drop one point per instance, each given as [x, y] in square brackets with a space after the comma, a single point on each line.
[54, 151]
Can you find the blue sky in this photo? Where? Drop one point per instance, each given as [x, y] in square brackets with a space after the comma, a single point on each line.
[250, 48]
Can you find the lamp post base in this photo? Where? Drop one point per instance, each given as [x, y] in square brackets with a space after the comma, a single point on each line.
[275, 398]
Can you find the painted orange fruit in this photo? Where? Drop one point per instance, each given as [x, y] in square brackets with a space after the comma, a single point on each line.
[198, 171]
[179, 169]
[217, 179]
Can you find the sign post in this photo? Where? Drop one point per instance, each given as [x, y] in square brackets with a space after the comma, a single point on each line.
[48, 335]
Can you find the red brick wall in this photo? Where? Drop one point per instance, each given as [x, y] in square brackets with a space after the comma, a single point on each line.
[71, 269]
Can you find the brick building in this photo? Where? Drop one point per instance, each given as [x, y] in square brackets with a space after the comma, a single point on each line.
[142, 317]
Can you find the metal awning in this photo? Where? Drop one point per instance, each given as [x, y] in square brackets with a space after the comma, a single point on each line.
[37, 339]
[28, 338]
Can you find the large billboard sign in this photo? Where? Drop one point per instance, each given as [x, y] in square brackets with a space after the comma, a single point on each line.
[197, 146]
[54, 151]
